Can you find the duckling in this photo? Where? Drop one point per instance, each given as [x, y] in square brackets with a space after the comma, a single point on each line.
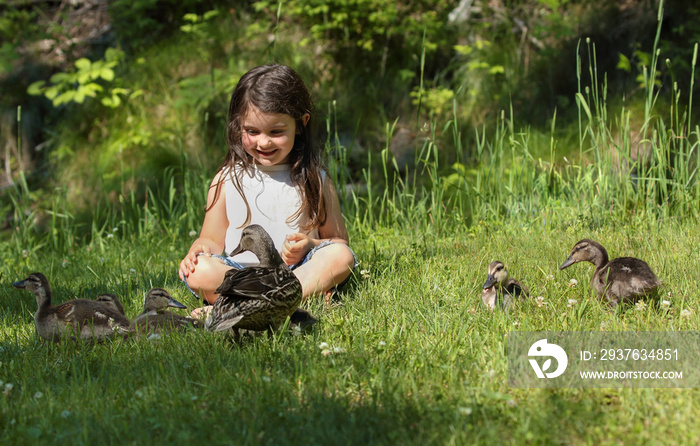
[621, 280]
[499, 289]
[154, 318]
[112, 301]
[83, 318]
[255, 298]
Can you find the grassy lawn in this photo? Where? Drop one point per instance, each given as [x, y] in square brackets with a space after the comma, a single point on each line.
[408, 354]
[412, 356]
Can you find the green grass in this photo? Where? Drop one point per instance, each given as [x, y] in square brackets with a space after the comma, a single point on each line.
[421, 360]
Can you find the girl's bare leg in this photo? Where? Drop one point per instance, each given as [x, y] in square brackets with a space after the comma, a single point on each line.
[327, 268]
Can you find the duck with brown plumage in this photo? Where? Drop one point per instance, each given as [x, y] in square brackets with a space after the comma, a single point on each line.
[256, 298]
[74, 319]
[621, 280]
[500, 290]
[155, 319]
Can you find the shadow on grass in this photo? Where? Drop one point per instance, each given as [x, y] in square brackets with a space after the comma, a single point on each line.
[198, 386]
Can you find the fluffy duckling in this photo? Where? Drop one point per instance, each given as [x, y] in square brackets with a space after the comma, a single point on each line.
[155, 318]
[112, 301]
[255, 298]
[499, 289]
[621, 280]
[83, 318]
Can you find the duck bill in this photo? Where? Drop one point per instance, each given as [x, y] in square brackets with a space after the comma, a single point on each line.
[173, 303]
[21, 284]
[490, 281]
[570, 261]
[237, 250]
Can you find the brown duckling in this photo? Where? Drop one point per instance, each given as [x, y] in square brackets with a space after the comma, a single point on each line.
[78, 318]
[155, 318]
[112, 301]
[255, 298]
[621, 280]
[499, 290]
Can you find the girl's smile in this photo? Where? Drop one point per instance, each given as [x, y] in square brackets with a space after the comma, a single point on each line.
[269, 137]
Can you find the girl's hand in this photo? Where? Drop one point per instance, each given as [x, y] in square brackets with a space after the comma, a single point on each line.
[295, 247]
[188, 263]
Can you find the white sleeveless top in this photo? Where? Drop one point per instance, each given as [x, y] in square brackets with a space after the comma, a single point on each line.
[272, 199]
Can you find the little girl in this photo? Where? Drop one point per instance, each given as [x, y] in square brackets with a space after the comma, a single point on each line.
[271, 176]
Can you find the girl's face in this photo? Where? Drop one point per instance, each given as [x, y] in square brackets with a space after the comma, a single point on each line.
[268, 137]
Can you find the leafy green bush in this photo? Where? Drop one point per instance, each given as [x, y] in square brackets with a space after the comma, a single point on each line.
[83, 81]
[381, 39]
[138, 23]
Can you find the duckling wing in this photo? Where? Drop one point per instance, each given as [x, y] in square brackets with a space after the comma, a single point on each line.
[516, 289]
[628, 278]
[90, 318]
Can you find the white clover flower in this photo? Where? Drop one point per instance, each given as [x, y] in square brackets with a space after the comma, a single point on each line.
[115, 229]
[549, 277]
[25, 253]
[685, 313]
[110, 235]
[266, 379]
[65, 414]
[665, 304]
[326, 352]
[139, 393]
[65, 263]
[539, 300]
[465, 410]
[323, 346]
[193, 234]
[338, 350]
[572, 283]
[640, 306]
[571, 303]
[382, 344]
[172, 248]
[132, 270]
[511, 403]
[8, 388]
[516, 323]
[38, 395]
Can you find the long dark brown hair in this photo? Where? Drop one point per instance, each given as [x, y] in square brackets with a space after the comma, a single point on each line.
[278, 89]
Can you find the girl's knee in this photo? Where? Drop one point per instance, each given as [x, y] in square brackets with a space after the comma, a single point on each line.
[341, 254]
